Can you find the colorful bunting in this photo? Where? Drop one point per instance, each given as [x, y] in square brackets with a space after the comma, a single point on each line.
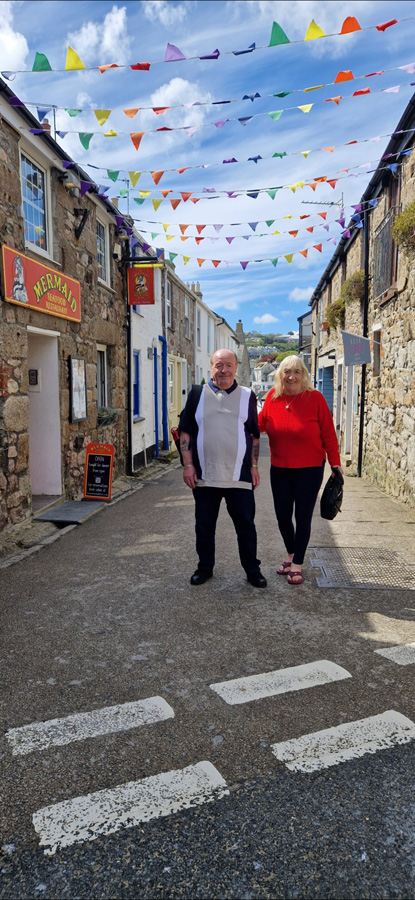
[41, 63]
[131, 112]
[173, 53]
[72, 61]
[314, 31]
[278, 36]
[136, 137]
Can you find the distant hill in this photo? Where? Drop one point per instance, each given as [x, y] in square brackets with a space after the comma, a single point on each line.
[260, 345]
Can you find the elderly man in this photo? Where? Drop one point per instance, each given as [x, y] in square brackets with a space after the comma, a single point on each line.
[219, 441]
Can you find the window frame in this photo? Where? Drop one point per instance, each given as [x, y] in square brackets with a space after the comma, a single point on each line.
[187, 317]
[33, 160]
[136, 385]
[169, 317]
[105, 241]
[102, 356]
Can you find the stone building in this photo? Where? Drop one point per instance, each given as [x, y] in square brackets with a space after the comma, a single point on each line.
[62, 320]
[368, 290]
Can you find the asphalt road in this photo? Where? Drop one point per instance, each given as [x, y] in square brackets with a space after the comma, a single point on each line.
[106, 617]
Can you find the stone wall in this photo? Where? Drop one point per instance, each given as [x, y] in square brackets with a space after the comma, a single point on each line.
[103, 321]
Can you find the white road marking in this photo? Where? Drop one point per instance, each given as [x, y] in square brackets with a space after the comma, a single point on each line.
[403, 655]
[78, 727]
[295, 678]
[332, 746]
[105, 812]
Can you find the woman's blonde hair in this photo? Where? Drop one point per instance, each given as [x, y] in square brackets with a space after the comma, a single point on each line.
[288, 363]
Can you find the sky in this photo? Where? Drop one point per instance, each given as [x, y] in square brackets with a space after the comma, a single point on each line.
[226, 149]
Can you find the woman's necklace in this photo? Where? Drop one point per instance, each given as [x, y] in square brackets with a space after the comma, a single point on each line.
[287, 406]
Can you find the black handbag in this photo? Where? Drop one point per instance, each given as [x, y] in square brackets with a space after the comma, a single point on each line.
[332, 496]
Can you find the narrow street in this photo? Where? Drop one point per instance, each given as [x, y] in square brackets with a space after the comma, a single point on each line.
[195, 793]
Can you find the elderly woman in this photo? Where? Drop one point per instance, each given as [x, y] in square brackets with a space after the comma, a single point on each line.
[301, 436]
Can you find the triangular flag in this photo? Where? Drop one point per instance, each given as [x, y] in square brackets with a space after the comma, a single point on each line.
[41, 63]
[386, 25]
[145, 194]
[306, 108]
[141, 67]
[158, 110]
[328, 149]
[253, 225]
[186, 196]
[166, 192]
[154, 235]
[305, 153]
[269, 222]
[350, 24]
[156, 176]
[278, 36]
[332, 182]
[311, 229]
[244, 265]
[272, 192]
[139, 200]
[41, 113]
[183, 228]
[315, 87]
[200, 262]
[85, 186]
[131, 112]
[303, 253]
[104, 68]
[85, 139]
[199, 239]
[276, 115]
[344, 76]
[314, 31]
[298, 184]
[156, 204]
[335, 100]
[136, 137]
[276, 232]
[274, 261]
[293, 233]
[216, 262]
[289, 257]
[134, 176]
[73, 112]
[186, 260]
[184, 238]
[102, 115]
[173, 53]
[112, 174]
[323, 215]
[172, 256]
[166, 225]
[318, 247]
[110, 133]
[175, 203]
[72, 60]
[170, 237]
[199, 228]
[313, 185]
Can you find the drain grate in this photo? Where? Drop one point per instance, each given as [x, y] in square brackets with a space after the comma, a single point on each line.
[362, 568]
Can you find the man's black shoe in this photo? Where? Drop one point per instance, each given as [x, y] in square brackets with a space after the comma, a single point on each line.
[199, 577]
[257, 579]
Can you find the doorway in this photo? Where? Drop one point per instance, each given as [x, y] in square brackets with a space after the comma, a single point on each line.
[44, 418]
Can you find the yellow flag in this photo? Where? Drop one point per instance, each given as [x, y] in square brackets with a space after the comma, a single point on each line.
[314, 31]
[186, 259]
[102, 115]
[317, 87]
[73, 61]
[110, 133]
[166, 225]
[145, 193]
[306, 108]
[298, 184]
[156, 203]
[169, 237]
[134, 176]
[276, 232]
[289, 257]
[305, 153]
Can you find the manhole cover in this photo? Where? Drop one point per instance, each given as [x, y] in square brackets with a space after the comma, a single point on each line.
[366, 569]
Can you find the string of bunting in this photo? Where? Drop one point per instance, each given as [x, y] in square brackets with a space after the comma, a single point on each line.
[102, 115]
[173, 53]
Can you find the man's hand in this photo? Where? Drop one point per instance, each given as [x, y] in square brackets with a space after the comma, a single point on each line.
[255, 476]
[189, 476]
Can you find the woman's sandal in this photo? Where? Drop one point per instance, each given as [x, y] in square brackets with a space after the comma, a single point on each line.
[284, 567]
[296, 575]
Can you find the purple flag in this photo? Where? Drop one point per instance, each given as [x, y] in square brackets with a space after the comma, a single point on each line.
[214, 55]
[173, 53]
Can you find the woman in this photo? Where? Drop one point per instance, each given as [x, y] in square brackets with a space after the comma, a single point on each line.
[301, 435]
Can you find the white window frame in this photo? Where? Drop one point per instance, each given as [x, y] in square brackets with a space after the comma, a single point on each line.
[168, 305]
[198, 328]
[102, 349]
[101, 223]
[33, 159]
[187, 317]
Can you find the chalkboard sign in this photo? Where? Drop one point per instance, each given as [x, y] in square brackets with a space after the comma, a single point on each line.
[98, 471]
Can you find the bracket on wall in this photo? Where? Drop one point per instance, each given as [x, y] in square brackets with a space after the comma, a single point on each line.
[85, 215]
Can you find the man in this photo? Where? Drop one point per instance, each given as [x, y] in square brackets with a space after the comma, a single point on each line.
[219, 441]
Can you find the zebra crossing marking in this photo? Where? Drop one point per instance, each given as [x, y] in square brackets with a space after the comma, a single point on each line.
[404, 655]
[79, 726]
[105, 812]
[268, 684]
[332, 746]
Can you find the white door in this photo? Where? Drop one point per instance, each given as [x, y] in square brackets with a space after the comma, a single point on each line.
[44, 415]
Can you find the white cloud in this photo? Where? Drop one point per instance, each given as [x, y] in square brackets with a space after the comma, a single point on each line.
[266, 319]
[299, 295]
[109, 39]
[164, 11]
[13, 45]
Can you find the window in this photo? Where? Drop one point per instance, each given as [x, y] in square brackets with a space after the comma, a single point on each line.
[102, 387]
[385, 257]
[34, 203]
[136, 384]
[187, 317]
[376, 351]
[168, 304]
[102, 252]
[198, 328]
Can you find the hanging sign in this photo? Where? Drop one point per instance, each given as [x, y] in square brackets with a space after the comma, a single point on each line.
[37, 286]
[356, 349]
[98, 471]
[141, 285]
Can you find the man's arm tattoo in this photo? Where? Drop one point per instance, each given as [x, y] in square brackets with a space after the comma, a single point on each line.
[184, 444]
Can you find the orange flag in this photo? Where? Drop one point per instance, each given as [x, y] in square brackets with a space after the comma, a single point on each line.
[318, 247]
[323, 215]
[186, 196]
[294, 233]
[303, 253]
[350, 24]
[175, 203]
[313, 185]
[103, 69]
[200, 228]
[335, 100]
[347, 75]
[180, 171]
[136, 137]
[164, 193]
[131, 112]
[310, 229]
[186, 238]
[156, 176]
[333, 182]
[160, 109]
[183, 228]
[200, 262]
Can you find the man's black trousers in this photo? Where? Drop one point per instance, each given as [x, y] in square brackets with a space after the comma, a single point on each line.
[240, 504]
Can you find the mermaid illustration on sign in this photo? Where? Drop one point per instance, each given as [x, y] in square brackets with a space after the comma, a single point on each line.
[19, 287]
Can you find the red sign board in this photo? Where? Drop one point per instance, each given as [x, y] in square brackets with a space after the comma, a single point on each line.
[98, 471]
[140, 285]
[36, 286]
